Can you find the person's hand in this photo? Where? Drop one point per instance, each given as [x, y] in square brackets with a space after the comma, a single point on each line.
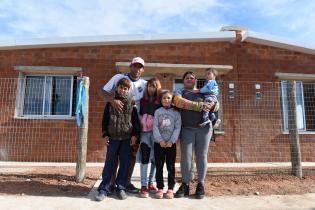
[133, 140]
[106, 138]
[212, 105]
[206, 106]
[117, 105]
[163, 143]
[169, 144]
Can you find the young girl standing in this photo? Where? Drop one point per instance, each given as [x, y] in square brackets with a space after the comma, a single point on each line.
[166, 129]
[148, 104]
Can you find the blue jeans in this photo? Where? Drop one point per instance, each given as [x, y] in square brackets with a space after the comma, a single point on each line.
[116, 149]
[209, 115]
[144, 173]
[147, 138]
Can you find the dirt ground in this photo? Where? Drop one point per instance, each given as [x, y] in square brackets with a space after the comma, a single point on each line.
[47, 181]
[60, 181]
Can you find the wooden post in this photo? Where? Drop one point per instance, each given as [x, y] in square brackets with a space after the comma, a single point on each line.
[294, 131]
[82, 137]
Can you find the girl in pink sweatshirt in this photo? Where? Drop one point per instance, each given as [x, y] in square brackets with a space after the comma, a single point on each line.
[148, 104]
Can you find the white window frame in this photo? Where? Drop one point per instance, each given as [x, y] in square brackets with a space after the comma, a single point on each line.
[21, 94]
[284, 122]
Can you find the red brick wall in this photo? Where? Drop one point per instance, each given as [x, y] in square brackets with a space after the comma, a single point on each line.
[248, 135]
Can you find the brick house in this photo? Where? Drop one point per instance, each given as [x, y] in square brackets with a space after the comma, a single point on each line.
[251, 66]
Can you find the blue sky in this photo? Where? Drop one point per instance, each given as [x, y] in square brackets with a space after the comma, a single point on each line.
[23, 19]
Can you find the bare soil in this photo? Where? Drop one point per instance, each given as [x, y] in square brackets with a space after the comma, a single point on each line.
[60, 181]
[259, 184]
[47, 181]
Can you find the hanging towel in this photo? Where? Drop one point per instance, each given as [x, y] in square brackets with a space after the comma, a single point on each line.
[80, 102]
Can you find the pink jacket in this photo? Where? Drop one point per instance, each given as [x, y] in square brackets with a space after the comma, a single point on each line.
[147, 122]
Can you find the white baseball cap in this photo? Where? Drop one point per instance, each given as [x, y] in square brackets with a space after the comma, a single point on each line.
[137, 60]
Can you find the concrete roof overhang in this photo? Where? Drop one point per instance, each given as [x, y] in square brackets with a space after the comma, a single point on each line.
[177, 70]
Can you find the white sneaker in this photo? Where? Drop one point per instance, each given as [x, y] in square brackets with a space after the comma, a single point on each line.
[204, 123]
[217, 124]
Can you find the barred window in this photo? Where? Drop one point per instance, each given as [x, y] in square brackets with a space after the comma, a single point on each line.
[46, 96]
[305, 96]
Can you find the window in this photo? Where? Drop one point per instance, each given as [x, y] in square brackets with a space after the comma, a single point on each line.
[178, 84]
[305, 96]
[46, 96]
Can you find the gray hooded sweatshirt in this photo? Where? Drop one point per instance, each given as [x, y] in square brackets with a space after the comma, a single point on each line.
[167, 124]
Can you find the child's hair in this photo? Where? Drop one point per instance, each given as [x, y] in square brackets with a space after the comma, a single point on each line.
[157, 84]
[165, 91]
[215, 72]
[124, 82]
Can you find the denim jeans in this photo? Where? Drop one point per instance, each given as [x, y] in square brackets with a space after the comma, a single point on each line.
[116, 149]
[147, 138]
[144, 173]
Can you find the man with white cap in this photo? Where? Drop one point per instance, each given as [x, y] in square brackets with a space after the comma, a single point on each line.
[136, 91]
[138, 84]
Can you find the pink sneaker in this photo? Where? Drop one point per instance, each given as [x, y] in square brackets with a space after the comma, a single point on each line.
[152, 188]
[159, 194]
[144, 193]
[169, 194]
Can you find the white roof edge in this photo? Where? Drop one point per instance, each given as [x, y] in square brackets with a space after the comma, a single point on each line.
[295, 76]
[151, 69]
[117, 39]
[47, 68]
[274, 41]
[172, 65]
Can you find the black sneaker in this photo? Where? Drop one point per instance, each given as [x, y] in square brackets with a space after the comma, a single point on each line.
[130, 188]
[200, 191]
[121, 194]
[183, 191]
[111, 190]
[100, 197]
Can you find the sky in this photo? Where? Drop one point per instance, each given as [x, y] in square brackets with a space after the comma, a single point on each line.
[23, 19]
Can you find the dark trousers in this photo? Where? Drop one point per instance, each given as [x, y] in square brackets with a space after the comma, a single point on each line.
[134, 150]
[161, 156]
[116, 149]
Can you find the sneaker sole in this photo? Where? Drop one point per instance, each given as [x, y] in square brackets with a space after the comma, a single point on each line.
[159, 196]
[169, 197]
[199, 196]
[122, 198]
[181, 196]
[144, 196]
[133, 192]
[99, 199]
